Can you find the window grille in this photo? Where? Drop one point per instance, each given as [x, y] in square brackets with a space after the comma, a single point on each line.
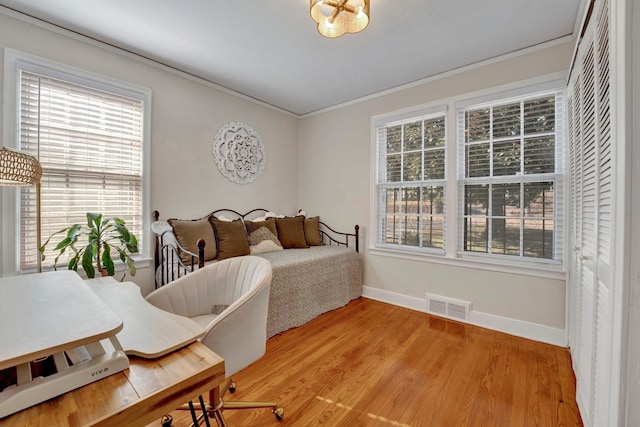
[510, 176]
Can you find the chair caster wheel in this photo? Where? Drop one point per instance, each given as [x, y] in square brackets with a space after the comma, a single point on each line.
[232, 387]
[279, 413]
[166, 420]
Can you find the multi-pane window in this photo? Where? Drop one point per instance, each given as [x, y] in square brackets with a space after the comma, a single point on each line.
[89, 140]
[411, 182]
[510, 176]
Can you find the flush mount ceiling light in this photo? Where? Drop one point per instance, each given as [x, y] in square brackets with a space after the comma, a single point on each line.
[336, 17]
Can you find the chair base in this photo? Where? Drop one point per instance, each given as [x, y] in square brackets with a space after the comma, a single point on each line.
[217, 405]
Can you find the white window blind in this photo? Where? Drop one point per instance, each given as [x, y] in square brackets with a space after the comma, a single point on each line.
[90, 144]
[510, 169]
[411, 181]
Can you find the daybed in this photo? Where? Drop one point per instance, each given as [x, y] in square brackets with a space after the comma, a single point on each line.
[315, 268]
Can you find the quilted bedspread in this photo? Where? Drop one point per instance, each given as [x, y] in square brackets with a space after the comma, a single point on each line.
[311, 281]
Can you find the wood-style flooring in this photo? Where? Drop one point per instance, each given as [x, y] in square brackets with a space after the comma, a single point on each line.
[375, 364]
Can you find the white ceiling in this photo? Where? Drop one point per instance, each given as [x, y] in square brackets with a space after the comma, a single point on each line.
[270, 50]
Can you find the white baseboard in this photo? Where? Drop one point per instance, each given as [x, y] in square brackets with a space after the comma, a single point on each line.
[520, 328]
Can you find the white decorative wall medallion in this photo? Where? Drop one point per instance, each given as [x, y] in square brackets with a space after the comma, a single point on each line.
[239, 153]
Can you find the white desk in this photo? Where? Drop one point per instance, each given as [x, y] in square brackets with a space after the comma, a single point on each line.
[45, 313]
[148, 331]
[54, 314]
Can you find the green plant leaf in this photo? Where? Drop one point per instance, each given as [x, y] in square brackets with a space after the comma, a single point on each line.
[55, 261]
[107, 262]
[132, 244]
[72, 237]
[73, 263]
[123, 255]
[104, 222]
[123, 232]
[42, 248]
[94, 235]
[87, 261]
[131, 266]
[128, 261]
[74, 230]
[63, 244]
[101, 234]
[93, 219]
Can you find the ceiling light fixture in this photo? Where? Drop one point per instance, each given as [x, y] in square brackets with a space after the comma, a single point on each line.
[336, 17]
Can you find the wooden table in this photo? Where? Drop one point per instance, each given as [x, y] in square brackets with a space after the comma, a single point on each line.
[137, 396]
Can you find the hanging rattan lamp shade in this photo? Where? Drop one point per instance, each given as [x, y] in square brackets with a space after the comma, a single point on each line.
[18, 169]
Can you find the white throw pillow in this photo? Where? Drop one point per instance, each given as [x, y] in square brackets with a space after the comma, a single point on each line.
[264, 247]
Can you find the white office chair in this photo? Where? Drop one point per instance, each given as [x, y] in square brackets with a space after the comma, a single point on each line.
[230, 299]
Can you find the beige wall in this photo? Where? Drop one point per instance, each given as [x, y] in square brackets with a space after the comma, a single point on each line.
[335, 175]
[186, 115]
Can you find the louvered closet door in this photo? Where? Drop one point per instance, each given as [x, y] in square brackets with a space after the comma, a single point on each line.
[586, 247]
[592, 193]
[575, 192]
[604, 229]
[574, 107]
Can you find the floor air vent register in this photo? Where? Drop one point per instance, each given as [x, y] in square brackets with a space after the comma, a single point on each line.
[448, 307]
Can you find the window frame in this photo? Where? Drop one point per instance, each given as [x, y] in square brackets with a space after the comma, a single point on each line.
[522, 179]
[396, 119]
[542, 268]
[14, 61]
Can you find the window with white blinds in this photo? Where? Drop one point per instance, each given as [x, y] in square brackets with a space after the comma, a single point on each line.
[411, 182]
[89, 140]
[510, 169]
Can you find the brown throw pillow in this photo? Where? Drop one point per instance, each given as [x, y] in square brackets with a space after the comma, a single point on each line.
[291, 232]
[263, 236]
[188, 232]
[231, 237]
[312, 231]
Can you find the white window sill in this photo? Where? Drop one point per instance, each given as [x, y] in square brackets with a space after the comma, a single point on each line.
[550, 270]
[139, 262]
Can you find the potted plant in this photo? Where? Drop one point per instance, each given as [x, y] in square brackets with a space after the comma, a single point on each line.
[101, 236]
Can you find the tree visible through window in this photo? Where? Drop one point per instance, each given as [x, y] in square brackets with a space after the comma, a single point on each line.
[510, 182]
[411, 182]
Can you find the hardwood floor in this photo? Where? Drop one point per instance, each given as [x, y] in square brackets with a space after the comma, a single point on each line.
[375, 364]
